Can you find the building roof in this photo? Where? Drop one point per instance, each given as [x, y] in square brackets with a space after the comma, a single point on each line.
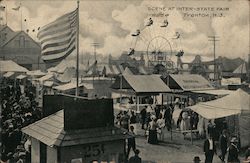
[50, 131]
[146, 83]
[8, 65]
[68, 86]
[191, 82]
[235, 103]
[12, 35]
[242, 69]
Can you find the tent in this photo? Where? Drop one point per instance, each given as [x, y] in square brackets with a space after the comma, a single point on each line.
[10, 66]
[238, 104]
[232, 104]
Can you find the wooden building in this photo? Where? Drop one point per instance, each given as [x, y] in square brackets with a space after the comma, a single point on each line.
[19, 47]
[83, 131]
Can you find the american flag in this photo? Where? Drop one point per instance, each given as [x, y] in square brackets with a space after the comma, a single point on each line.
[59, 38]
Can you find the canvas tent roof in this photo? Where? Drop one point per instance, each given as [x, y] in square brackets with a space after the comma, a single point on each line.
[146, 83]
[36, 73]
[232, 104]
[8, 65]
[189, 82]
[215, 92]
[67, 86]
[21, 76]
[46, 77]
[241, 69]
[48, 83]
[8, 74]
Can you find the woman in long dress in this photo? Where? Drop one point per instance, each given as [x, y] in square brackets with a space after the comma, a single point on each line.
[185, 122]
[152, 137]
[161, 125]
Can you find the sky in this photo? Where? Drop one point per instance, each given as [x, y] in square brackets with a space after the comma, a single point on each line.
[111, 23]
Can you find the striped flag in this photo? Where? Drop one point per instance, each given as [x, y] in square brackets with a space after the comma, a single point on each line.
[59, 38]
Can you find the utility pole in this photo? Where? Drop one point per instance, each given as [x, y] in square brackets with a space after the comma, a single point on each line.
[95, 45]
[214, 39]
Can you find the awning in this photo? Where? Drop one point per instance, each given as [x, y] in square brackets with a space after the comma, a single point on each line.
[46, 77]
[21, 76]
[88, 85]
[10, 66]
[36, 73]
[215, 92]
[67, 86]
[48, 83]
[142, 83]
[232, 104]
[189, 82]
[8, 74]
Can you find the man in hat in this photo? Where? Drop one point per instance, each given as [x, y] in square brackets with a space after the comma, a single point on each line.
[223, 144]
[135, 158]
[233, 151]
[131, 141]
[209, 149]
[197, 159]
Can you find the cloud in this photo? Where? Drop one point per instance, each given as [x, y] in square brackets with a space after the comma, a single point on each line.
[233, 31]
[111, 24]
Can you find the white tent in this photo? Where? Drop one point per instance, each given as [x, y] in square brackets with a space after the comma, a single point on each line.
[10, 66]
[235, 103]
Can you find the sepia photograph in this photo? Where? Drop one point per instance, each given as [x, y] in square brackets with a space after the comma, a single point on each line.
[124, 81]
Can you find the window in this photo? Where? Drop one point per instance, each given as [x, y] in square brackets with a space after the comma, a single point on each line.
[22, 41]
[27, 43]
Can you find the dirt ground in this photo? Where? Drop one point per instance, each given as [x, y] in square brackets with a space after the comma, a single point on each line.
[176, 150]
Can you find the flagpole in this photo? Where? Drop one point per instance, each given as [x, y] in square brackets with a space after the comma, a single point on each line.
[21, 16]
[6, 14]
[77, 53]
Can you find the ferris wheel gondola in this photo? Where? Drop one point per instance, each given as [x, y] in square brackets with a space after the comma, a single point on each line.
[156, 46]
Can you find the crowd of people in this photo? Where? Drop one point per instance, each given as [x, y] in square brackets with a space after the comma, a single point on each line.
[18, 109]
[158, 119]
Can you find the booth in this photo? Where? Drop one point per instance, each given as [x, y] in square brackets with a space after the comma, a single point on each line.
[137, 87]
[83, 131]
[235, 107]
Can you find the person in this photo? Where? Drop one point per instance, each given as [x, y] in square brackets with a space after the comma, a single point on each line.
[152, 138]
[143, 117]
[223, 140]
[135, 158]
[168, 118]
[209, 149]
[132, 118]
[125, 120]
[233, 151]
[197, 159]
[247, 153]
[185, 122]
[161, 125]
[210, 128]
[131, 141]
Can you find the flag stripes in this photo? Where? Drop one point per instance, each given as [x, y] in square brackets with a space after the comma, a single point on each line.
[58, 38]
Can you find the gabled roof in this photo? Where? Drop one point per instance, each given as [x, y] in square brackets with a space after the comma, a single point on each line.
[144, 83]
[189, 82]
[14, 35]
[50, 131]
[9, 65]
[2, 27]
[235, 103]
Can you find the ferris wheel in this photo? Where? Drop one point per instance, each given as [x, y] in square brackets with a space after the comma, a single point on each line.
[154, 41]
